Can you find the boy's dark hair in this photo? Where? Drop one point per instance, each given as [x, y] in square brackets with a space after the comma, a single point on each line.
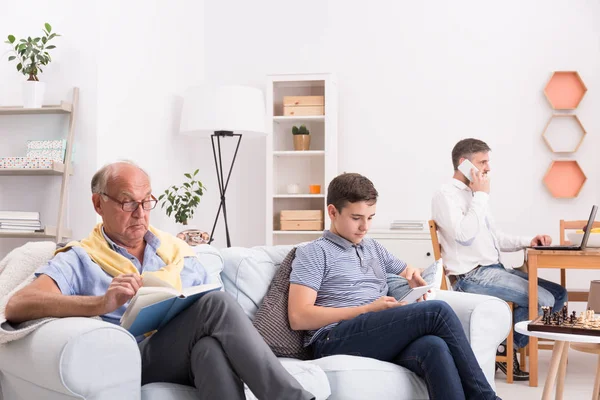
[466, 148]
[351, 188]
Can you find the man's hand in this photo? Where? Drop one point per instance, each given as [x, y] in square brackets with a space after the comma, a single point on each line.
[121, 290]
[541, 240]
[413, 276]
[480, 183]
[383, 303]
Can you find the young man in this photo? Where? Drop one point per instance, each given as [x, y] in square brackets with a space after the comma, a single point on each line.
[338, 294]
[471, 244]
[212, 345]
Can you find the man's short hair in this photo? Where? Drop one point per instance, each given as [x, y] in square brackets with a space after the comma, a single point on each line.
[466, 148]
[103, 175]
[351, 188]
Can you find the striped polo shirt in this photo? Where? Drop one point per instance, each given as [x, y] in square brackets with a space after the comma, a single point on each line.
[343, 274]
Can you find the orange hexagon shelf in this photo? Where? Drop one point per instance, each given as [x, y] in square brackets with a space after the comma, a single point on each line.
[565, 90]
[564, 133]
[564, 179]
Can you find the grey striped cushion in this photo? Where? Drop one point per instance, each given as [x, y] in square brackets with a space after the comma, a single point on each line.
[271, 319]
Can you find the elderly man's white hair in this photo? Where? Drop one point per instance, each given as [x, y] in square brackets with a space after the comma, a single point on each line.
[107, 172]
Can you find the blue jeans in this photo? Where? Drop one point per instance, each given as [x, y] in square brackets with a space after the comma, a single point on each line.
[426, 338]
[511, 285]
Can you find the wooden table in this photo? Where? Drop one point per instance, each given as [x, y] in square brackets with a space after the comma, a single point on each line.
[536, 259]
[558, 363]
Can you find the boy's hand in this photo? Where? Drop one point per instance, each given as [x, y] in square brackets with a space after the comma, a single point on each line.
[413, 276]
[383, 303]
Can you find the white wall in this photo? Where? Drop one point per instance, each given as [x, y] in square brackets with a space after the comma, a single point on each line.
[131, 61]
[414, 78]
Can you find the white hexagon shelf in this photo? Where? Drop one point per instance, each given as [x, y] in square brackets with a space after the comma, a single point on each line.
[564, 133]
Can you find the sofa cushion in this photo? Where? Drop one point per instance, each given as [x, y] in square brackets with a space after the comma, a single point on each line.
[310, 376]
[211, 260]
[247, 273]
[271, 319]
[354, 377]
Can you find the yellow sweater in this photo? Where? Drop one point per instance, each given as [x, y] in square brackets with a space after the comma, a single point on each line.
[172, 251]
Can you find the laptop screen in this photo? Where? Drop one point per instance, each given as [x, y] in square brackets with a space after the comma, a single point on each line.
[589, 227]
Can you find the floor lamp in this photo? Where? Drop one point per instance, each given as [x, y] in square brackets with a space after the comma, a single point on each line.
[220, 113]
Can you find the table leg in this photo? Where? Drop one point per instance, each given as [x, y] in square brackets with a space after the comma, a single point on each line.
[533, 311]
[596, 392]
[553, 370]
[562, 371]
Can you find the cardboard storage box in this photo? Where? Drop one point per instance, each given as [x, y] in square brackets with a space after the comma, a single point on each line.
[303, 105]
[301, 220]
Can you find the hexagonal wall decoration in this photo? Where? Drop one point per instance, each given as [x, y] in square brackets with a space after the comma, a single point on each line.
[565, 90]
[564, 179]
[564, 133]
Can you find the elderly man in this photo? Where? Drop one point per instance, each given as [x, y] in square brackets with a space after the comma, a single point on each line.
[212, 345]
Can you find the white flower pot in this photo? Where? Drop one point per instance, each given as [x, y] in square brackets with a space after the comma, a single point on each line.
[33, 94]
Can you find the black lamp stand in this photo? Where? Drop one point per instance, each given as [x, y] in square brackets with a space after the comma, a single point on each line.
[223, 183]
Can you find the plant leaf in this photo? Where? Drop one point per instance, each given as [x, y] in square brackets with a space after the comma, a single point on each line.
[19, 66]
[50, 47]
[48, 27]
[11, 39]
[11, 58]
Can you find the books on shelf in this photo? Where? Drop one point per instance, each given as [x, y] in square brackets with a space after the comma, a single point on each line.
[157, 303]
[411, 225]
[20, 221]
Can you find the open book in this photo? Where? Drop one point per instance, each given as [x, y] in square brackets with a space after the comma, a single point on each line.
[157, 302]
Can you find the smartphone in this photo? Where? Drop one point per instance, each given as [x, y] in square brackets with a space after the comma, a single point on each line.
[415, 293]
[465, 167]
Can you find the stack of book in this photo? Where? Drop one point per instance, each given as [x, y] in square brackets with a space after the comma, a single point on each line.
[20, 221]
[409, 225]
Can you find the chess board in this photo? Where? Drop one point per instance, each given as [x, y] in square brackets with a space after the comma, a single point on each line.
[575, 328]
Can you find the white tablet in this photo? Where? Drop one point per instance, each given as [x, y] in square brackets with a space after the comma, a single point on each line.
[415, 293]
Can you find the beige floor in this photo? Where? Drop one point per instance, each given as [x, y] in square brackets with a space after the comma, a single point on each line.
[579, 381]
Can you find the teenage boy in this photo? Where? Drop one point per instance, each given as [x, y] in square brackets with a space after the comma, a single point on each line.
[338, 294]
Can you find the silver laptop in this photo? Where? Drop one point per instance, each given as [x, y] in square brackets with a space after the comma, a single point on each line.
[584, 240]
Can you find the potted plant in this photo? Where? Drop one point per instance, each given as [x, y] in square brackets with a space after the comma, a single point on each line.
[182, 200]
[31, 54]
[301, 137]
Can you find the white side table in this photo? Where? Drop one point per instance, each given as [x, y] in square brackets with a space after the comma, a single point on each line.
[558, 363]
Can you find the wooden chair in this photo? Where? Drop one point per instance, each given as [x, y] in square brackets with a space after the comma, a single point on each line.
[508, 359]
[574, 295]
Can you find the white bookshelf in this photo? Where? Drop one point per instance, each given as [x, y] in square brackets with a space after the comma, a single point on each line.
[316, 166]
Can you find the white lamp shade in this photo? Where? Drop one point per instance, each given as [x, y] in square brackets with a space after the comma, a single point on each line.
[207, 109]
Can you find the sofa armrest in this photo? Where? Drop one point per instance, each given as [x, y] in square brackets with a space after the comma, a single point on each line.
[77, 357]
[487, 320]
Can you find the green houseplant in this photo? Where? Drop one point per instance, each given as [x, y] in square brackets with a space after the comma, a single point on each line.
[183, 200]
[301, 137]
[31, 54]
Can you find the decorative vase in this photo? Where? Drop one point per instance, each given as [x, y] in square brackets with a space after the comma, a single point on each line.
[33, 94]
[301, 142]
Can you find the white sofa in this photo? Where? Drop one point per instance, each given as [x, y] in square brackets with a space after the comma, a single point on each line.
[82, 358]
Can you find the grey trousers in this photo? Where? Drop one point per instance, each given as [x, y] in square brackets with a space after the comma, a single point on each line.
[213, 346]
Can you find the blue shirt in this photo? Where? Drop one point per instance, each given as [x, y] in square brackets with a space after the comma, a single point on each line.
[76, 274]
[343, 274]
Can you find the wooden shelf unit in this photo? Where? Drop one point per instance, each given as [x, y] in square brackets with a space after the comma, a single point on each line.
[59, 232]
[316, 166]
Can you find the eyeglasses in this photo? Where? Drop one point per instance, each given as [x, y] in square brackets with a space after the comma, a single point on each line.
[131, 206]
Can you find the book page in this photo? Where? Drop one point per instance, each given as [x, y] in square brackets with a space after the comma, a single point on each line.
[189, 291]
[152, 280]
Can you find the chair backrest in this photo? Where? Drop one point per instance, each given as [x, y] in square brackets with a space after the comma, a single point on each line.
[570, 225]
[437, 252]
